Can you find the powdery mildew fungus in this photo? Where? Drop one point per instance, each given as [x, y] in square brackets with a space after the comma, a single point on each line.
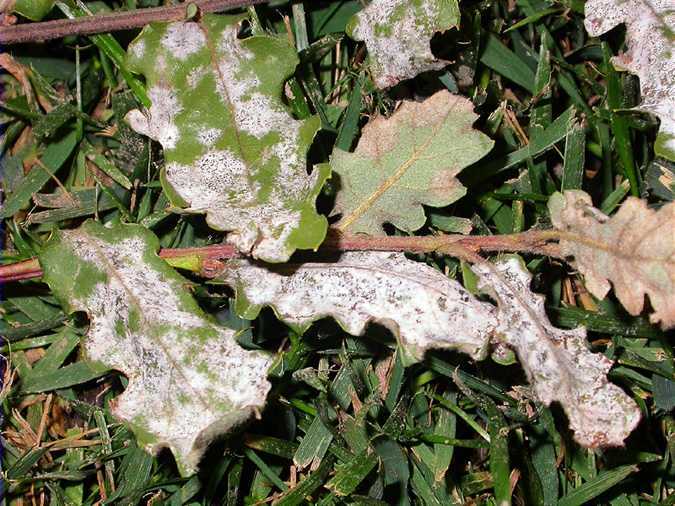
[209, 136]
[196, 75]
[188, 379]
[558, 362]
[427, 310]
[650, 55]
[406, 160]
[260, 116]
[138, 49]
[159, 123]
[183, 39]
[215, 176]
[250, 177]
[420, 305]
[398, 33]
[634, 249]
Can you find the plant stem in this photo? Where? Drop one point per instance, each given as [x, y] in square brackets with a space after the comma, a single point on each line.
[20, 270]
[208, 259]
[536, 241]
[104, 23]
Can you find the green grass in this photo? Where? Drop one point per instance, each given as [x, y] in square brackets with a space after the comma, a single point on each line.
[347, 423]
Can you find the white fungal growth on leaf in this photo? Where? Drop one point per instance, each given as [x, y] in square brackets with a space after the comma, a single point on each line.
[424, 310]
[420, 305]
[209, 136]
[183, 39]
[218, 175]
[398, 34]
[558, 363]
[232, 149]
[189, 381]
[650, 55]
[159, 123]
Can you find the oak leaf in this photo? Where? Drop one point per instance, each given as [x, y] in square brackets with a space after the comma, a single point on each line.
[232, 149]
[557, 362]
[189, 380]
[425, 310]
[416, 302]
[407, 160]
[650, 55]
[634, 250]
[398, 34]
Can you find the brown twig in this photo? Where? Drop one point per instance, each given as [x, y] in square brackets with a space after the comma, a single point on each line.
[116, 21]
[538, 242]
[20, 270]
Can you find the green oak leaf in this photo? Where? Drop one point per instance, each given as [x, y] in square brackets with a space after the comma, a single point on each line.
[407, 160]
[232, 149]
[398, 34]
[189, 380]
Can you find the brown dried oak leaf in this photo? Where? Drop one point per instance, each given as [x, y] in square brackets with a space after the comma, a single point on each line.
[634, 250]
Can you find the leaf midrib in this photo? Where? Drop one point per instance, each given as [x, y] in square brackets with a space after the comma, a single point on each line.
[112, 271]
[368, 203]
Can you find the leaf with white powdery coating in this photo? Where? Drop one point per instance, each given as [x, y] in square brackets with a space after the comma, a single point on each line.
[651, 55]
[405, 161]
[634, 249]
[426, 310]
[189, 380]
[420, 305]
[557, 362]
[232, 149]
[398, 35]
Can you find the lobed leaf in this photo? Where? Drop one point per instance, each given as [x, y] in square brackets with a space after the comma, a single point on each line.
[416, 302]
[557, 362]
[425, 309]
[398, 34]
[650, 55]
[232, 149]
[634, 250]
[405, 161]
[189, 381]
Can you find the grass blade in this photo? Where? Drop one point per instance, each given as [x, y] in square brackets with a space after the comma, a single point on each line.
[593, 488]
[56, 154]
[348, 476]
[73, 374]
[505, 62]
[575, 159]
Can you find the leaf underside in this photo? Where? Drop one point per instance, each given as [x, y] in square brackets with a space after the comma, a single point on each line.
[650, 55]
[425, 310]
[189, 381]
[416, 302]
[232, 149]
[558, 363]
[405, 161]
[633, 249]
[398, 34]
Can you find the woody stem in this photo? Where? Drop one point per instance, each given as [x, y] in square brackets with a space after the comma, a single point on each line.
[462, 246]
